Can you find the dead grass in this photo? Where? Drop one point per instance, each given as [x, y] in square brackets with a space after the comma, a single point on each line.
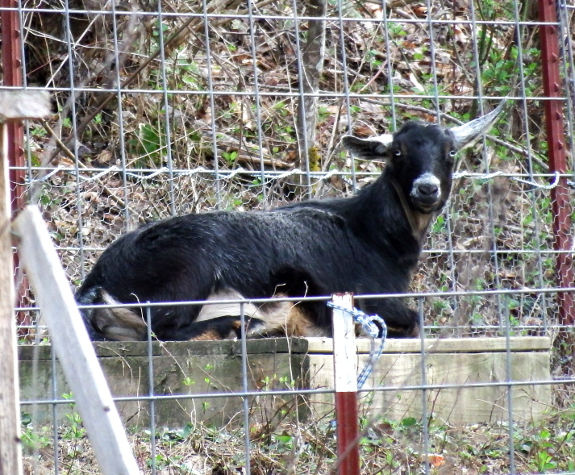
[304, 447]
[88, 203]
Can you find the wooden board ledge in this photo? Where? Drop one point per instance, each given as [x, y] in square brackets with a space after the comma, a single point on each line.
[442, 345]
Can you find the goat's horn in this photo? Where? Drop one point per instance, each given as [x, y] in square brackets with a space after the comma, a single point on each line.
[466, 134]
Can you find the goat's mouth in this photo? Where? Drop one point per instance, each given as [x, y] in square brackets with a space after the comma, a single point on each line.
[426, 205]
[426, 193]
[426, 200]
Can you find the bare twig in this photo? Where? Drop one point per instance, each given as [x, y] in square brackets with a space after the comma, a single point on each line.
[36, 187]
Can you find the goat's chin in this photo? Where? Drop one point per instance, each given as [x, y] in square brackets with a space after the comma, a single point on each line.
[427, 208]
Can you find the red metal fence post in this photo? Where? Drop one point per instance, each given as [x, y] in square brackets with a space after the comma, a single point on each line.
[12, 75]
[345, 370]
[557, 156]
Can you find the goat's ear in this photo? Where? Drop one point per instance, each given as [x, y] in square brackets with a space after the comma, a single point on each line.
[371, 148]
[466, 134]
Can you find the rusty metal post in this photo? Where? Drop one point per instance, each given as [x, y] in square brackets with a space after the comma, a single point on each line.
[12, 69]
[552, 85]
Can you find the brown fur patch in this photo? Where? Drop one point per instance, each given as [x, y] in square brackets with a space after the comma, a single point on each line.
[300, 324]
[279, 318]
[207, 335]
[287, 319]
[401, 332]
[422, 222]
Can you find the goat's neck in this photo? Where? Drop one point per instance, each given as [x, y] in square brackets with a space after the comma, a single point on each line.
[418, 222]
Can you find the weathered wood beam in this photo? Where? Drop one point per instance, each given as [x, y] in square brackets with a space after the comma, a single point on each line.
[14, 106]
[73, 346]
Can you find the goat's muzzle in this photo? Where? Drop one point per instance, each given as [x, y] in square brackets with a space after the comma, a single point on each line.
[426, 192]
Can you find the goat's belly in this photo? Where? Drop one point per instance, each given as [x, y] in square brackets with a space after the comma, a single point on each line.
[271, 318]
[267, 319]
[221, 308]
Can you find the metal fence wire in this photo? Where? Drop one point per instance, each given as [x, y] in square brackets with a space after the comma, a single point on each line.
[174, 107]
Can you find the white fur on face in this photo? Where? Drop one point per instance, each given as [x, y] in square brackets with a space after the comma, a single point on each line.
[427, 178]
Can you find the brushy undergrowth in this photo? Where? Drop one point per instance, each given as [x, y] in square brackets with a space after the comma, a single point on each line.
[386, 447]
[169, 118]
[187, 107]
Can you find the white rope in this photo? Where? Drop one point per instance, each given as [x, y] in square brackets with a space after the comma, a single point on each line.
[489, 176]
[159, 172]
[374, 326]
[112, 169]
[296, 171]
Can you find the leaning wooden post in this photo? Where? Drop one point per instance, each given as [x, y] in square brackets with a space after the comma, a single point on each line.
[345, 370]
[73, 346]
[14, 106]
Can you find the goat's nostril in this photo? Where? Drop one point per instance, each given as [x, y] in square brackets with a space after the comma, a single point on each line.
[427, 189]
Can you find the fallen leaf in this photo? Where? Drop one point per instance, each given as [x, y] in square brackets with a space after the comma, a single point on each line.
[436, 460]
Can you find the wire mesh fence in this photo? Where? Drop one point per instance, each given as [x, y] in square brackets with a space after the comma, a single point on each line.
[169, 108]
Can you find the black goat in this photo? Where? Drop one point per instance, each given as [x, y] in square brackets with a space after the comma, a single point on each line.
[366, 244]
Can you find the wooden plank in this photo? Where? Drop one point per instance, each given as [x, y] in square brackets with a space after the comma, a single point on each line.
[441, 345]
[460, 404]
[10, 447]
[113, 349]
[188, 348]
[73, 346]
[19, 105]
[180, 374]
[345, 368]
[343, 345]
[14, 105]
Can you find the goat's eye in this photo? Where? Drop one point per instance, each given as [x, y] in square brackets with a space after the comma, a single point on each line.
[452, 153]
[397, 153]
